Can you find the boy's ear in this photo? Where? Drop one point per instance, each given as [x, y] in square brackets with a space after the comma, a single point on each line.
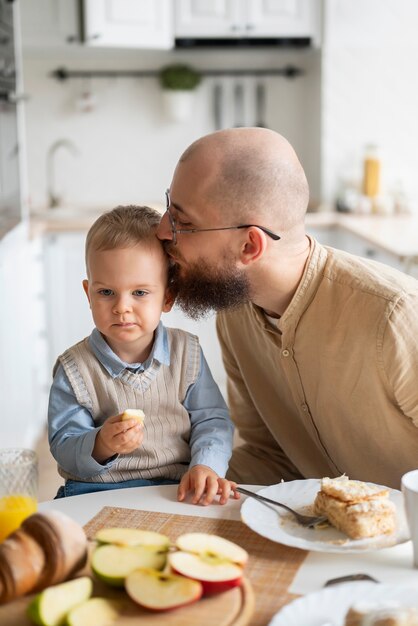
[169, 300]
[86, 288]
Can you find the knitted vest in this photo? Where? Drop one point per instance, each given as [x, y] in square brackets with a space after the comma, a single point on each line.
[159, 391]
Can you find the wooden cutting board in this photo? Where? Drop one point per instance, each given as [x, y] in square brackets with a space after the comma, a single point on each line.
[269, 572]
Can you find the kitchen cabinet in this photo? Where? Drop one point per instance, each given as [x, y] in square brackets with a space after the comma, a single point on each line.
[250, 18]
[338, 237]
[23, 388]
[49, 23]
[129, 23]
[68, 313]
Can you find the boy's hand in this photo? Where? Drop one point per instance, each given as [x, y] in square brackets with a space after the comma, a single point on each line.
[205, 485]
[116, 437]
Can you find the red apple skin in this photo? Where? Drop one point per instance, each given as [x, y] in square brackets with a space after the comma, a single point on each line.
[211, 587]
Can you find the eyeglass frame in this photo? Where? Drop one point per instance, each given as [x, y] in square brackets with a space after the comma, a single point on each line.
[185, 231]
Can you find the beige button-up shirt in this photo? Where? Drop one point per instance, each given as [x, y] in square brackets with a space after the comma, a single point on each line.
[334, 387]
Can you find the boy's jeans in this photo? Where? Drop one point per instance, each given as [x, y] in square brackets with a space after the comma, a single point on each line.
[75, 487]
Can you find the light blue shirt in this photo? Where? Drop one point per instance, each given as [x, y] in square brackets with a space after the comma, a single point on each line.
[72, 431]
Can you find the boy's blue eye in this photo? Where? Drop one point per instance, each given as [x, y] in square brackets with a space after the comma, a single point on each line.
[139, 292]
[105, 292]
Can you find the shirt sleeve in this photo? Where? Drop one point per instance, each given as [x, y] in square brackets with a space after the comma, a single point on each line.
[211, 427]
[71, 431]
[400, 355]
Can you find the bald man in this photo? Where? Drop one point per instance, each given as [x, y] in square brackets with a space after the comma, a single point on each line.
[320, 346]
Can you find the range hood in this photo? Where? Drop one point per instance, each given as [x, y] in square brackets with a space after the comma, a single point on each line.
[185, 43]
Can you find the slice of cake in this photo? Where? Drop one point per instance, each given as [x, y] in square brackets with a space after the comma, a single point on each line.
[382, 614]
[357, 509]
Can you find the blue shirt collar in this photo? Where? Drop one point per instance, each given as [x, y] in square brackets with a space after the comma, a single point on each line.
[115, 366]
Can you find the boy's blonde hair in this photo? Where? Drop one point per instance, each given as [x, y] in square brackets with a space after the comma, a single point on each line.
[122, 227]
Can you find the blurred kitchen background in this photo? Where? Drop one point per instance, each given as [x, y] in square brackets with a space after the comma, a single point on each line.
[85, 124]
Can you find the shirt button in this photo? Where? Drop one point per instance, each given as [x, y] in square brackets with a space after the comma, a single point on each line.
[304, 407]
[285, 353]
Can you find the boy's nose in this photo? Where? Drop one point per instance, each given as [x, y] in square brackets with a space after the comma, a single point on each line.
[122, 305]
[164, 230]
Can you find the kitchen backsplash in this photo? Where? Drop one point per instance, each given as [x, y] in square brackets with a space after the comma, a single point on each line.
[127, 147]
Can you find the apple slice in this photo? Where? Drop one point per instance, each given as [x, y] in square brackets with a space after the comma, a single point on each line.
[133, 537]
[214, 561]
[50, 607]
[215, 574]
[112, 564]
[158, 591]
[204, 543]
[135, 414]
[97, 611]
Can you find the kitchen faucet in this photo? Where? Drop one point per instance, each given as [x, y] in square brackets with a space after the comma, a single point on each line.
[54, 200]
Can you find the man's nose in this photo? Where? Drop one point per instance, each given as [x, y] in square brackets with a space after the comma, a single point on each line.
[164, 230]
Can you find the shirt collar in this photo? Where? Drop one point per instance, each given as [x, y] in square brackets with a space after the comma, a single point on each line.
[115, 366]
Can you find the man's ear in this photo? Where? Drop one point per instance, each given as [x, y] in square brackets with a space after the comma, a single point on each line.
[254, 245]
[169, 299]
[86, 289]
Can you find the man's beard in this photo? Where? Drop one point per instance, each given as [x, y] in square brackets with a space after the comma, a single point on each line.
[201, 288]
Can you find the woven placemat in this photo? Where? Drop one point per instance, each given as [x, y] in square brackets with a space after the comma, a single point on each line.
[271, 567]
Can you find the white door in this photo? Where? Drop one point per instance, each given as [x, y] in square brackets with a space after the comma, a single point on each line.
[200, 18]
[129, 23]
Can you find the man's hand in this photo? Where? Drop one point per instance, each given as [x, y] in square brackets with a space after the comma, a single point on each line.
[205, 485]
[116, 437]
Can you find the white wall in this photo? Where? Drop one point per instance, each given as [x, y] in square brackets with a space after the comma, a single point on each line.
[370, 91]
[128, 149]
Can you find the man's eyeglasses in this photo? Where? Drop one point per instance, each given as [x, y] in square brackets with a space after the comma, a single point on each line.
[186, 231]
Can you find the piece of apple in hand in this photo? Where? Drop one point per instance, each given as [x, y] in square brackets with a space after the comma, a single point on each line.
[136, 414]
[213, 561]
[112, 564]
[160, 591]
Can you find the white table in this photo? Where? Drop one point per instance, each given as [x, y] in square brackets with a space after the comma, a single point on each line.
[162, 499]
[390, 565]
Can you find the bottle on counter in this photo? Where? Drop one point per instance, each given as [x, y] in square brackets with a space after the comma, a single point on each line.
[371, 173]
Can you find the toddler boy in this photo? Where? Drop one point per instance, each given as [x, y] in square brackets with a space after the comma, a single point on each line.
[131, 360]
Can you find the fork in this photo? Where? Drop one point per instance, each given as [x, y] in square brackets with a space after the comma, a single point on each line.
[308, 521]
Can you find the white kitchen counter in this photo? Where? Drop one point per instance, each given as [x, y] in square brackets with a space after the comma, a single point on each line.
[397, 235]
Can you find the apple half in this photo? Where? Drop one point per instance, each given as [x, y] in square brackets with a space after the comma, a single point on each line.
[159, 591]
[133, 537]
[112, 564]
[50, 607]
[213, 561]
[97, 611]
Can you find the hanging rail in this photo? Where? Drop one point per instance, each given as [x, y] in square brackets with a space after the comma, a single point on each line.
[62, 73]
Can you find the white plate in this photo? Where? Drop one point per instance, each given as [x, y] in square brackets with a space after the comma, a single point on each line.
[280, 526]
[330, 605]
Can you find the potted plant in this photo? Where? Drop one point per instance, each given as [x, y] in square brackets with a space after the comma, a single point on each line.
[178, 82]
